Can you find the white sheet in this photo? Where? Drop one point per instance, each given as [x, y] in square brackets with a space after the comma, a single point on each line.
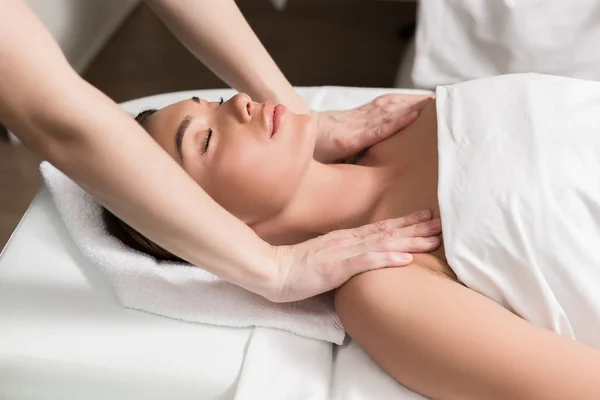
[357, 377]
[519, 194]
[459, 40]
[64, 335]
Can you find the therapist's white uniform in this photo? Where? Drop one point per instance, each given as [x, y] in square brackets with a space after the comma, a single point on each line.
[460, 40]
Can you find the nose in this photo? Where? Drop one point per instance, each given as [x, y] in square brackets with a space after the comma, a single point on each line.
[242, 104]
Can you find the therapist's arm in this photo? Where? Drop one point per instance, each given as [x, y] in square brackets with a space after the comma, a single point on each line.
[216, 32]
[62, 118]
[65, 120]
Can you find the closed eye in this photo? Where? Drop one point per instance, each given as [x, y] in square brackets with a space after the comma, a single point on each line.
[207, 141]
[209, 134]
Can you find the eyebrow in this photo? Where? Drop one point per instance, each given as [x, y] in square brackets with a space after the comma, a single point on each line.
[179, 135]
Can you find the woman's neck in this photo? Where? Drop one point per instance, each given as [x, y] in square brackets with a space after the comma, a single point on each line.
[330, 197]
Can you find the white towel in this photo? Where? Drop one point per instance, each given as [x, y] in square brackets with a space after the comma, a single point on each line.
[179, 290]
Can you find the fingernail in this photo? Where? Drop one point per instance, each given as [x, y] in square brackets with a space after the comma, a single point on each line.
[435, 223]
[413, 114]
[423, 214]
[433, 240]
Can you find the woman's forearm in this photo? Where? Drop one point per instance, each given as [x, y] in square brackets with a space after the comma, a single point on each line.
[216, 33]
[82, 132]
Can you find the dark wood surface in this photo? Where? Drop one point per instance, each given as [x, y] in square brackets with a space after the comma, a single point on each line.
[314, 42]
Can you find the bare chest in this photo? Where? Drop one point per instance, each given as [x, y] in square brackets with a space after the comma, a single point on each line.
[409, 168]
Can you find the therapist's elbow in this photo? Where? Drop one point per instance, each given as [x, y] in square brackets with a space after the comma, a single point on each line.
[52, 140]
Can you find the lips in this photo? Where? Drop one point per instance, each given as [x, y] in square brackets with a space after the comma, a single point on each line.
[278, 114]
[273, 117]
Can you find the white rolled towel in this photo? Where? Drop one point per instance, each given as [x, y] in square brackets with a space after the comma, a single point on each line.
[179, 290]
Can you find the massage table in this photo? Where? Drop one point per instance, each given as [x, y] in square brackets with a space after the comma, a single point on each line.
[64, 335]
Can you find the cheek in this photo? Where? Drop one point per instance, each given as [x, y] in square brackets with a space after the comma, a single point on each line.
[254, 181]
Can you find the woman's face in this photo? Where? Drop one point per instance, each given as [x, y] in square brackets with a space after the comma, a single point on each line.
[249, 157]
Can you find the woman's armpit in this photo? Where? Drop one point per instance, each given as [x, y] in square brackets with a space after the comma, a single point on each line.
[433, 264]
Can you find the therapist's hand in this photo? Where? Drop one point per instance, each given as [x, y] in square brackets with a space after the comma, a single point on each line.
[344, 133]
[325, 263]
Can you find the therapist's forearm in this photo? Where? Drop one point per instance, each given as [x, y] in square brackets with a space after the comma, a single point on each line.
[216, 33]
[82, 132]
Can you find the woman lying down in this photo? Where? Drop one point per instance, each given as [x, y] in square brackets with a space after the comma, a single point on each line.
[509, 306]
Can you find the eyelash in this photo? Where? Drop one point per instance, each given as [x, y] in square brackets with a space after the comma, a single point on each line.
[206, 141]
[209, 135]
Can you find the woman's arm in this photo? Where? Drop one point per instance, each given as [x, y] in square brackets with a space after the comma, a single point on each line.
[448, 342]
[82, 132]
[217, 34]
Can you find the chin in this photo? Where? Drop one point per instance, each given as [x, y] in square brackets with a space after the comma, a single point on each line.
[307, 134]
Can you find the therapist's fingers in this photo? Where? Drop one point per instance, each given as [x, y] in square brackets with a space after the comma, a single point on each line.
[419, 238]
[371, 254]
[407, 102]
[394, 102]
[389, 235]
[341, 134]
[393, 112]
[370, 261]
[400, 244]
[322, 264]
[406, 234]
[388, 225]
[326, 262]
[376, 254]
[382, 118]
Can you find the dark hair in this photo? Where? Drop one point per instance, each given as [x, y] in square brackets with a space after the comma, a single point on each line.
[125, 233]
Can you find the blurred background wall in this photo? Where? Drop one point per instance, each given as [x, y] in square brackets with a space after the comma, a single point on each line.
[82, 27]
[314, 42]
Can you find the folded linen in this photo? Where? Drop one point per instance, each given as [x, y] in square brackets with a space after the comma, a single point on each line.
[179, 290]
